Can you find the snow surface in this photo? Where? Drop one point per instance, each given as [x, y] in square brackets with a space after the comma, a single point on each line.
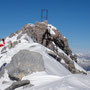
[55, 76]
[78, 67]
[42, 81]
[50, 27]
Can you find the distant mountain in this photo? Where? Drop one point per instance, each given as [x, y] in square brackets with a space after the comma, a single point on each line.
[84, 61]
[84, 56]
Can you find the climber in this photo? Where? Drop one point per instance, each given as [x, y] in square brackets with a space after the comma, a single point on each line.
[46, 36]
[3, 43]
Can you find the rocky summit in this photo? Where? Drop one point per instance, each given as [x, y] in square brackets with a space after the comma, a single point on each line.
[38, 55]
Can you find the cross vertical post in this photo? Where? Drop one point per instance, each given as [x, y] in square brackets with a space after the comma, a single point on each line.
[44, 14]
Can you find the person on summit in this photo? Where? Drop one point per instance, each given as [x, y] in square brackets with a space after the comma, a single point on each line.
[3, 43]
[46, 36]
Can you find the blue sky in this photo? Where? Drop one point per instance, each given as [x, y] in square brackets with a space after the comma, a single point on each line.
[71, 17]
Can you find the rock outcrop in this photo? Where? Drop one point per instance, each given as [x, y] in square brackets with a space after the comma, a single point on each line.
[67, 62]
[23, 63]
[18, 84]
[13, 44]
[37, 31]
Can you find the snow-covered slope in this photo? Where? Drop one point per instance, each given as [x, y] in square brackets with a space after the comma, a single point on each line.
[72, 82]
[52, 67]
[54, 77]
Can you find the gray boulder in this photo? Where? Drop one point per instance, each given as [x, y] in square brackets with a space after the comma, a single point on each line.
[18, 84]
[25, 62]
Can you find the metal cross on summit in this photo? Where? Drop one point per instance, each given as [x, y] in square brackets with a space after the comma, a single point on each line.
[44, 14]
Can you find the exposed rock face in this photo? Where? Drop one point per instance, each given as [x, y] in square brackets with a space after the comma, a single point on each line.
[68, 63]
[37, 31]
[25, 62]
[13, 34]
[3, 50]
[74, 57]
[13, 44]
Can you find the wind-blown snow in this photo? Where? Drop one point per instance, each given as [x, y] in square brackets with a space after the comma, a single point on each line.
[42, 81]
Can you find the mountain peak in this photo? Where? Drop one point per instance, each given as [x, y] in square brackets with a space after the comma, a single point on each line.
[35, 48]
